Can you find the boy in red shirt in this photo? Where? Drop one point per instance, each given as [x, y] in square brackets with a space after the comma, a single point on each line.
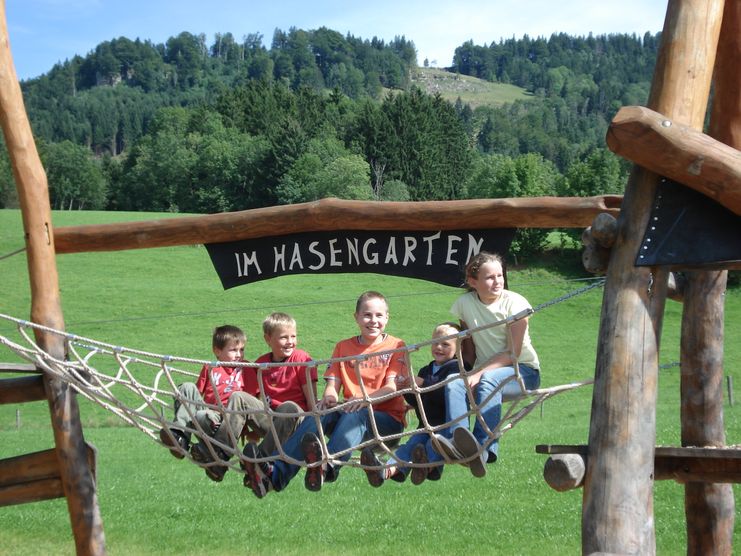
[289, 388]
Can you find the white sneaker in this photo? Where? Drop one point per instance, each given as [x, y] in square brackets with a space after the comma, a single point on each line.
[471, 450]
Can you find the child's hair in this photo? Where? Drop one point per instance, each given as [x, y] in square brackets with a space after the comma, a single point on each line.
[446, 329]
[227, 333]
[369, 295]
[476, 262]
[277, 320]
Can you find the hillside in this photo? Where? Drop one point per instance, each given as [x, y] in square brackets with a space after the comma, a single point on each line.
[471, 90]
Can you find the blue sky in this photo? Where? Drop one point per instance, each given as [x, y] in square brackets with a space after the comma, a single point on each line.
[44, 32]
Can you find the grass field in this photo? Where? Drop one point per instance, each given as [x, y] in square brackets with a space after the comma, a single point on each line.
[168, 300]
[471, 90]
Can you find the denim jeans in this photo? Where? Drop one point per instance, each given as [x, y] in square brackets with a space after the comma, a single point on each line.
[457, 404]
[404, 452]
[345, 430]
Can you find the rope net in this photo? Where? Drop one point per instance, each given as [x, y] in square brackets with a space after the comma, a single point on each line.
[141, 388]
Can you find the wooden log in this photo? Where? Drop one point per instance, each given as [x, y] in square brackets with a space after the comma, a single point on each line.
[675, 287]
[34, 477]
[679, 152]
[46, 309]
[22, 389]
[617, 509]
[564, 472]
[594, 257]
[710, 508]
[337, 214]
[18, 368]
[604, 229]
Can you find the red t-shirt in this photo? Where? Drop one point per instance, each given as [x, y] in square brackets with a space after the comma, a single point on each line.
[227, 380]
[284, 383]
[375, 371]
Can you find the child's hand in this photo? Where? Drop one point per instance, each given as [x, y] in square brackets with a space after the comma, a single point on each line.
[403, 381]
[327, 402]
[356, 403]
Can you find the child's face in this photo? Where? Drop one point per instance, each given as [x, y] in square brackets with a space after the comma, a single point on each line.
[489, 283]
[282, 342]
[372, 318]
[232, 351]
[442, 350]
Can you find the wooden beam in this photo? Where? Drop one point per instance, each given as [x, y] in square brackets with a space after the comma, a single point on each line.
[678, 152]
[710, 507]
[337, 214]
[46, 308]
[22, 389]
[18, 368]
[617, 509]
[34, 477]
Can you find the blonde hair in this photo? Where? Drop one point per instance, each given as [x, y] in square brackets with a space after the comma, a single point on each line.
[277, 320]
[225, 334]
[446, 329]
[476, 262]
[367, 296]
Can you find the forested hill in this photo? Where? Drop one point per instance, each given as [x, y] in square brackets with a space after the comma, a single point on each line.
[196, 127]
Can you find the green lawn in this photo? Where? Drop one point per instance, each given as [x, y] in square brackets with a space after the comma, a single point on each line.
[167, 300]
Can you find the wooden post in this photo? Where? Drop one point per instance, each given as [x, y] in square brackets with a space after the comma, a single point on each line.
[617, 511]
[710, 507]
[30, 178]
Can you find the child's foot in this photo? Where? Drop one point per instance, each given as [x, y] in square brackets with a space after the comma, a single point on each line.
[446, 448]
[471, 450]
[176, 440]
[201, 454]
[368, 459]
[257, 476]
[312, 449]
[419, 455]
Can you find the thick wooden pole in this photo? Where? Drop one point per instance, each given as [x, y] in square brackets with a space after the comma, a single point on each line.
[710, 508]
[337, 214]
[30, 178]
[617, 512]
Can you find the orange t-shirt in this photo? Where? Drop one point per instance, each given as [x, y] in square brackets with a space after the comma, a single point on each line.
[375, 371]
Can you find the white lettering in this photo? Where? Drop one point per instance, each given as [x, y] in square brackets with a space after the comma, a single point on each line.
[410, 244]
[333, 252]
[296, 258]
[322, 259]
[373, 258]
[280, 258]
[474, 246]
[429, 240]
[452, 250]
[250, 260]
[352, 251]
[391, 252]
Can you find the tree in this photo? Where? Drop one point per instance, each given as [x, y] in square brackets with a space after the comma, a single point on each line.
[75, 179]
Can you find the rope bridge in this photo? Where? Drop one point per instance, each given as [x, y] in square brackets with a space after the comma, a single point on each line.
[140, 387]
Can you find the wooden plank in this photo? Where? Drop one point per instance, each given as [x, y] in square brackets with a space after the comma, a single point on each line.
[617, 509]
[34, 477]
[46, 308]
[18, 368]
[725, 452]
[338, 214]
[22, 389]
[679, 152]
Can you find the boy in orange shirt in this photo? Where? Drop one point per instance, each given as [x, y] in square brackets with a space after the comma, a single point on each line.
[352, 424]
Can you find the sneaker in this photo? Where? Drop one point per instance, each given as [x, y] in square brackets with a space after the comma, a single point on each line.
[312, 449]
[368, 459]
[201, 454]
[398, 476]
[257, 475]
[419, 455]
[446, 449]
[471, 450]
[176, 440]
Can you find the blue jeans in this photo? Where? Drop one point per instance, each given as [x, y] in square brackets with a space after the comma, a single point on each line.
[457, 405]
[404, 452]
[345, 430]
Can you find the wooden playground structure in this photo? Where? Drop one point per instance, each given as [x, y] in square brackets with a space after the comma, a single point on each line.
[700, 44]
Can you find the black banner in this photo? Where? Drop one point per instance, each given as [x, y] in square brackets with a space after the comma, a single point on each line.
[434, 256]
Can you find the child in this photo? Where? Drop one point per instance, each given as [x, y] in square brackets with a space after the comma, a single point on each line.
[228, 346]
[487, 302]
[419, 446]
[286, 387]
[351, 424]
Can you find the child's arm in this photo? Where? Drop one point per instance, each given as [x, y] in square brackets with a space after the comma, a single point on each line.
[504, 358]
[468, 349]
[309, 390]
[330, 394]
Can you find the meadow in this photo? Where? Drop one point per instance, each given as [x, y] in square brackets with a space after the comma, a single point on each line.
[168, 300]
